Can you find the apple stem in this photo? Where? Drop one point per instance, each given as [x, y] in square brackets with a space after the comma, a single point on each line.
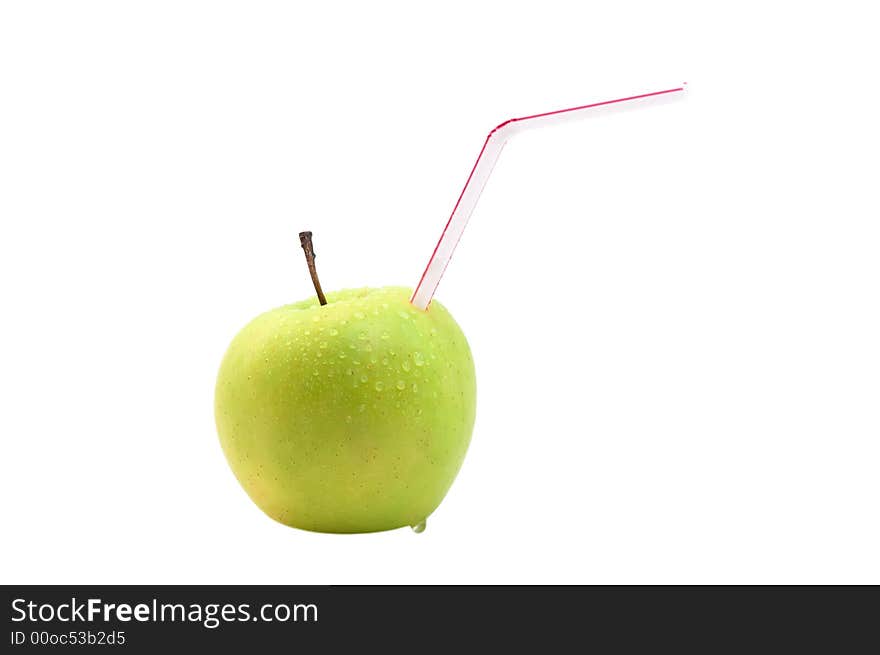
[305, 240]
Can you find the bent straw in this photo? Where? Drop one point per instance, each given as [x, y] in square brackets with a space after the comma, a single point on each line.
[482, 169]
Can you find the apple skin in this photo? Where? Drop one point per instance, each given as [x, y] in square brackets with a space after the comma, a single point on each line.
[351, 417]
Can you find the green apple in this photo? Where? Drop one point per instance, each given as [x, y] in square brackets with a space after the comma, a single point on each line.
[352, 416]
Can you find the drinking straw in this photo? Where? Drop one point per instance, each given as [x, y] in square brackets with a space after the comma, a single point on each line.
[482, 169]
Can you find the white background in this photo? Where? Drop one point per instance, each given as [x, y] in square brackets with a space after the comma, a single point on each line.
[674, 312]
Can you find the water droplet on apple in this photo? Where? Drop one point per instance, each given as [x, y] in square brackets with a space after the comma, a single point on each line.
[315, 318]
[349, 372]
[415, 388]
[386, 336]
[323, 344]
[348, 419]
[405, 366]
[385, 361]
[433, 332]
[380, 385]
[319, 355]
[403, 315]
[401, 385]
[359, 315]
[362, 336]
[333, 332]
[419, 528]
[341, 355]
[417, 359]
[316, 372]
[364, 378]
[362, 408]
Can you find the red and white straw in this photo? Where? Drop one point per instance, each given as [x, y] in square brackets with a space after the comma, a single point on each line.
[482, 169]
